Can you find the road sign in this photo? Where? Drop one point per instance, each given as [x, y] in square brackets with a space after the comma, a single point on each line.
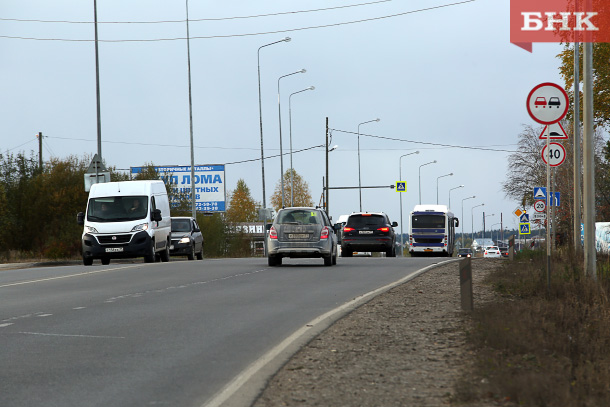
[524, 229]
[517, 212]
[539, 193]
[557, 154]
[547, 103]
[538, 216]
[540, 206]
[555, 199]
[524, 218]
[556, 131]
[401, 186]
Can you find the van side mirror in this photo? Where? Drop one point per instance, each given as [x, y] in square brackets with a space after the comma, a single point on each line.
[156, 215]
[394, 224]
[337, 227]
[457, 222]
[80, 218]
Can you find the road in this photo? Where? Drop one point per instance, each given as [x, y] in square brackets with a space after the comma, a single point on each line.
[160, 334]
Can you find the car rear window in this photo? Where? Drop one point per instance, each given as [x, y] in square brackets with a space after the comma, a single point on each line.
[300, 217]
[356, 221]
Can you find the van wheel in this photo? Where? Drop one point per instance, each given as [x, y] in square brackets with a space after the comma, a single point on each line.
[149, 257]
[87, 261]
[105, 261]
[165, 253]
[200, 254]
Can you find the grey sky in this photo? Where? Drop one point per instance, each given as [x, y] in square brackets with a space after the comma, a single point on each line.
[447, 75]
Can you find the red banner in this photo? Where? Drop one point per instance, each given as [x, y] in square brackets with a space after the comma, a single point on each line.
[558, 21]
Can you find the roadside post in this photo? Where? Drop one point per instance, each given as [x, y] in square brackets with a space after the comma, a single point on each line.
[466, 284]
[511, 248]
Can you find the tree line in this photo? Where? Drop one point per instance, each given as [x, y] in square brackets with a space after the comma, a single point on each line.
[38, 208]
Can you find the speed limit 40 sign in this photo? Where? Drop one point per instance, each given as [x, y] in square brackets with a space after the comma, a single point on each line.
[555, 156]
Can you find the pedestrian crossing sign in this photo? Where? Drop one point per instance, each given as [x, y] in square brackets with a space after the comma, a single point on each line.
[401, 186]
[524, 229]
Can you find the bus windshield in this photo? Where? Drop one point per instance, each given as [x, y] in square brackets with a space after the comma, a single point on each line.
[428, 221]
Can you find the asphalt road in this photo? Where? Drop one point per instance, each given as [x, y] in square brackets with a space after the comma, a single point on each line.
[163, 334]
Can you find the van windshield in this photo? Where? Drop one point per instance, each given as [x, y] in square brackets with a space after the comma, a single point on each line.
[117, 208]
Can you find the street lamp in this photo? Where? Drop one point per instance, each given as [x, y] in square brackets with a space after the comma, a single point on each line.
[472, 221]
[359, 178]
[462, 223]
[279, 111]
[461, 186]
[437, 178]
[400, 194]
[290, 127]
[492, 232]
[486, 216]
[260, 113]
[419, 182]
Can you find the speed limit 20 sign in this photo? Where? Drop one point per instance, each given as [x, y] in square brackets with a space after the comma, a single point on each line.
[555, 156]
[540, 206]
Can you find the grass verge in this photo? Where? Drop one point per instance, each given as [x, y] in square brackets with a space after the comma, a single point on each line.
[537, 346]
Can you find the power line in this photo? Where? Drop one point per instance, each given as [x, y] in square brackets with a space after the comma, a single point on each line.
[248, 34]
[428, 143]
[195, 20]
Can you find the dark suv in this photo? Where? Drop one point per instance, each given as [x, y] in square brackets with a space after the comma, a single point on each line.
[368, 232]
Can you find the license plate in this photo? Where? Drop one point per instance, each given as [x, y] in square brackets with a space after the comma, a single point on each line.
[366, 232]
[298, 236]
[114, 249]
[428, 250]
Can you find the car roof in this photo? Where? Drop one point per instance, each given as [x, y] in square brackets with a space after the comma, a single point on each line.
[367, 213]
[181, 217]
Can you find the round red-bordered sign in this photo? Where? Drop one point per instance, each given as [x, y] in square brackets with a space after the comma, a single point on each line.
[540, 206]
[547, 103]
[558, 154]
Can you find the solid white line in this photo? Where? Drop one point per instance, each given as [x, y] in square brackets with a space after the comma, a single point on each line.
[69, 276]
[312, 328]
[5, 325]
[72, 336]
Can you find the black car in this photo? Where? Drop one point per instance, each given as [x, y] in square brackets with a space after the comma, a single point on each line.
[368, 232]
[186, 238]
[465, 252]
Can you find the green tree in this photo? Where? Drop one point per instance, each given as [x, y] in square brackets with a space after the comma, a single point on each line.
[181, 201]
[601, 80]
[242, 207]
[302, 196]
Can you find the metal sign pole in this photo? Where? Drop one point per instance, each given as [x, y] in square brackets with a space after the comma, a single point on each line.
[548, 210]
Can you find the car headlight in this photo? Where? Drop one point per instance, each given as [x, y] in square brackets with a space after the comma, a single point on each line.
[91, 229]
[185, 240]
[137, 228]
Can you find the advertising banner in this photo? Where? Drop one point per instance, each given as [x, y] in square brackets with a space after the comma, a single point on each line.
[210, 192]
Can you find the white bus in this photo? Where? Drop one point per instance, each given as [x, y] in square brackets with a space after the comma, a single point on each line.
[432, 231]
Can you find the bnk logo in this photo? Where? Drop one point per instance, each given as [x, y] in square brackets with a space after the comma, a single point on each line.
[559, 21]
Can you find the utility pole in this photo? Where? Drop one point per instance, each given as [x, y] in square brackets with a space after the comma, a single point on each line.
[40, 151]
[588, 164]
[327, 147]
[577, 153]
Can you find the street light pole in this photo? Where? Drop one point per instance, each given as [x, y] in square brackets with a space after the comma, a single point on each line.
[290, 127]
[419, 178]
[400, 194]
[359, 177]
[260, 113]
[437, 178]
[486, 216]
[472, 221]
[279, 111]
[462, 223]
[461, 186]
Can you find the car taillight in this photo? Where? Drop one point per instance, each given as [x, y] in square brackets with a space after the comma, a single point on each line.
[325, 232]
[348, 229]
[272, 233]
[384, 229]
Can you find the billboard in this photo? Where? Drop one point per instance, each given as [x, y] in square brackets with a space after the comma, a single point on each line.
[210, 192]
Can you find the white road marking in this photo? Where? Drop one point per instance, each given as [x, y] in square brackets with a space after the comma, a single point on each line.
[69, 276]
[71, 336]
[5, 325]
[44, 315]
[77, 308]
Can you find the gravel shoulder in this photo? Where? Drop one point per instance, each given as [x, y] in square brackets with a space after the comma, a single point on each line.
[406, 347]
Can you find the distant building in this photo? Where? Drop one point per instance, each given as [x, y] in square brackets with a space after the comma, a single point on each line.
[480, 243]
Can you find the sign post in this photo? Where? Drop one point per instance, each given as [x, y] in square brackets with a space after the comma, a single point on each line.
[547, 104]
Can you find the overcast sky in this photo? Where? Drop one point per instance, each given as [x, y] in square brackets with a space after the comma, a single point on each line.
[437, 75]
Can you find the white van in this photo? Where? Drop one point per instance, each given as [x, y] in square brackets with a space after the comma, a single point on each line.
[126, 220]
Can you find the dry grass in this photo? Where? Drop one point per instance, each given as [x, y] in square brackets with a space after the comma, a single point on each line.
[541, 347]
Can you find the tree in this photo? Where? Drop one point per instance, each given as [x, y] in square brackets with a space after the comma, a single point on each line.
[242, 207]
[601, 80]
[180, 201]
[302, 196]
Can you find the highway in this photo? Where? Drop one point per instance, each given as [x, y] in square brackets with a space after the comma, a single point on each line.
[162, 334]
